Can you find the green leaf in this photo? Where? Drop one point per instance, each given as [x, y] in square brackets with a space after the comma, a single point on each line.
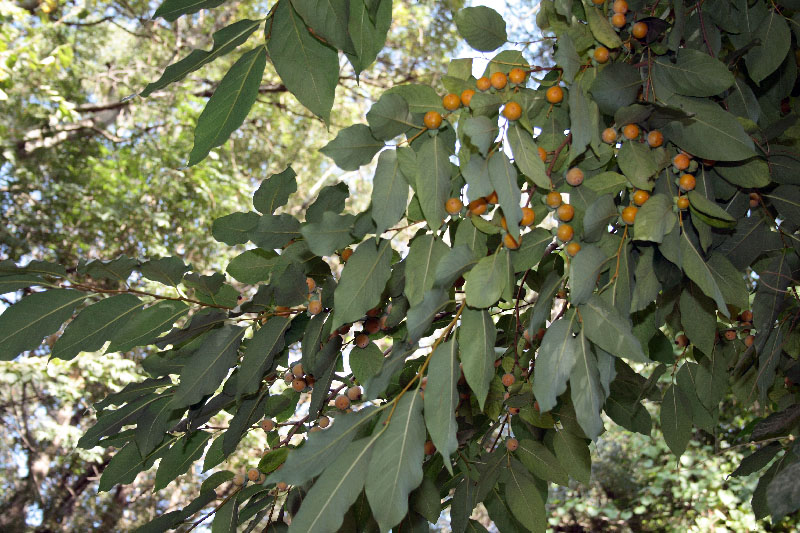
[698, 202]
[133, 391]
[731, 282]
[308, 68]
[476, 174]
[676, 419]
[180, 457]
[424, 255]
[329, 234]
[481, 131]
[325, 505]
[330, 198]
[433, 184]
[568, 59]
[117, 270]
[468, 235]
[420, 98]
[389, 117]
[488, 279]
[526, 156]
[757, 460]
[229, 105]
[363, 279]
[275, 231]
[477, 335]
[227, 516]
[441, 399]
[584, 119]
[259, 353]
[601, 27]
[170, 10]
[541, 462]
[504, 181]
[274, 192]
[787, 200]
[698, 271]
[234, 228]
[783, 492]
[126, 465]
[210, 365]
[395, 468]
[694, 73]
[753, 173]
[166, 270]
[154, 422]
[27, 322]
[606, 328]
[225, 40]
[654, 219]
[144, 327]
[573, 454]
[698, 317]
[353, 147]
[583, 271]
[368, 37]
[329, 19]
[773, 42]
[248, 413]
[324, 367]
[599, 215]
[23, 281]
[389, 192]
[638, 163]
[254, 266]
[615, 86]
[272, 460]
[531, 250]
[419, 317]
[585, 388]
[366, 362]
[557, 356]
[482, 27]
[525, 498]
[95, 325]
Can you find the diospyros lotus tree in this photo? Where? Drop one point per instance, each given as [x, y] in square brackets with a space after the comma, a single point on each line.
[616, 229]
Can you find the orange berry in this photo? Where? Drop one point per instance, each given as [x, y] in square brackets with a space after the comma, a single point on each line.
[572, 249]
[466, 96]
[609, 135]
[483, 83]
[513, 410]
[324, 422]
[528, 216]
[299, 384]
[362, 340]
[553, 199]
[354, 393]
[640, 197]
[746, 316]
[601, 54]
[508, 379]
[687, 182]
[565, 232]
[565, 212]
[429, 448]
[477, 207]
[311, 284]
[432, 120]
[512, 444]
[314, 307]
[517, 76]
[253, 474]
[682, 341]
[730, 334]
[620, 6]
[630, 131]
[512, 111]
[451, 102]
[453, 206]
[618, 20]
[755, 199]
[267, 424]
[681, 161]
[346, 253]
[639, 30]
[683, 202]
[492, 198]
[281, 486]
[342, 402]
[574, 176]
[498, 80]
[554, 94]
[542, 153]
[748, 341]
[655, 139]
[510, 243]
[629, 214]
[503, 223]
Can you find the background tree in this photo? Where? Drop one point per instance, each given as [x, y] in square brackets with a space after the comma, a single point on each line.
[671, 209]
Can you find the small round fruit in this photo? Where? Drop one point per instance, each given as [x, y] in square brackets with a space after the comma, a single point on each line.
[512, 444]
[553, 199]
[601, 54]
[282, 310]
[554, 94]
[517, 76]
[342, 402]
[375, 311]
[682, 341]
[267, 424]
[618, 20]
[346, 253]
[324, 422]
[432, 120]
[565, 212]
[755, 199]
[371, 325]
[681, 161]
[253, 474]
[492, 198]
[687, 182]
[430, 449]
[513, 410]
[362, 340]
[640, 197]
[354, 393]
[572, 249]
[508, 379]
[344, 329]
[655, 139]
[314, 307]
[466, 96]
[630, 131]
[575, 176]
[453, 206]
[542, 153]
[477, 207]
[565, 232]
[288, 377]
[620, 6]
[510, 242]
[730, 334]
[746, 316]
[311, 284]
[639, 30]
[536, 406]
[683, 202]
[451, 102]
[239, 480]
[528, 216]
[512, 111]
[748, 341]
[299, 384]
[315, 429]
[609, 135]
[499, 80]
[281, 486]
[297, 370]
[262, 478]
[629, 214]
[483, 83]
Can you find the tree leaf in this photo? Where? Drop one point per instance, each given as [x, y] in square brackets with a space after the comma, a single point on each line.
[583, 271]
[694, 73]
[363, 279]
[389, 117]
[249, 412]
[525, 499]
[227, 516]
[568, 59]
[698, 202]
[109, 422]
[117, 270]
[366, 362]
[477, 335]
[329, 234]
[676, 419]
[324, 367]
[126, 465]
[170, 10]
[615, 86]
[166, 270]
[260, 351]
[488, 279]
[144, 327]
[481, 132]
[154, 422]
[180, 457]
[504, 180]
[531, 250]
[482, 27]
[275, 191]
[526, 156]
[27, 322]
[787, 200]
[606, 328]
[557, 356]
[541, 462]
[329, 19]
[254, 266]
[368, 37]
[424, 255]
[421, 316]
[476, 174]
[275, 231]
[573, 454]
[433, 185]
[353, 147]
[95, 325]
[225, 40]
[773, 42]
[389, 192]
[698, 271]
[638, 164]
[441, 399]
[586, 389]
[757, 460]
[698, 317]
